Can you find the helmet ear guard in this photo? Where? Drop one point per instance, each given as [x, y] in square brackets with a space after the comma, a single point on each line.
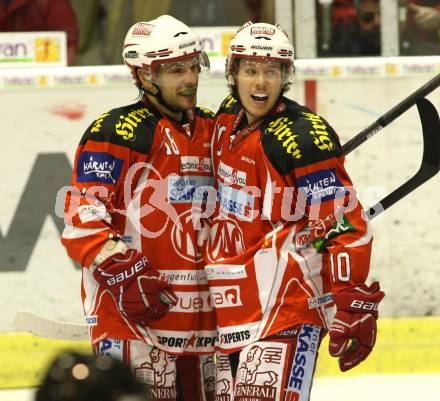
[145, 73]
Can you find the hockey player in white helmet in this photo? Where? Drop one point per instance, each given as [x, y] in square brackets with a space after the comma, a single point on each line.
[289, 239]
[131, 224]
[165, 44]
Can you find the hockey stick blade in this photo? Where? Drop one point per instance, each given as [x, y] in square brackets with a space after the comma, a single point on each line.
[430, 161]
[390, 115]
[26, 321]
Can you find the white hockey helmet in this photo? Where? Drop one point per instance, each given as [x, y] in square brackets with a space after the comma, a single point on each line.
[162, 40]
[261, 41]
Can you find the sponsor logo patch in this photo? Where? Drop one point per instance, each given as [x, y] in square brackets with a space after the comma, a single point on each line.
[256, 47]
[236, 202]
[340, 227]
[321, 186]
[142, 28]
[248, 160]
[231, 175]
[195, 164]
[262, 31]
[98, 166]
[183, 342]
[226, 297]
[186, 189]
[316, 302]
[185, 277]
[235, 337]
[190, 302]
[92, 320]
[112, 348]
[300, 379]
[259, 377]
[225, 272]
[88, 213]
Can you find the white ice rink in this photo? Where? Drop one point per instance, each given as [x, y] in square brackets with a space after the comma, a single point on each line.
[351, 388]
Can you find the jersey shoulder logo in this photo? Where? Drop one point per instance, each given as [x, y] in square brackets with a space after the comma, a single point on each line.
[204, 112]
[124, 122]
[129, 121]
[319, 130]
[298, 137]
[229, 105]
[97, 124]
[280, 128]
[122, 126]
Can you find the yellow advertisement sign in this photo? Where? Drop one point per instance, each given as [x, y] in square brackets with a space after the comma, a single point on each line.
[33, 49]
[47, 50]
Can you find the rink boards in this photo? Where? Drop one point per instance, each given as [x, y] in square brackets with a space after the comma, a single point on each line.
[404, 346]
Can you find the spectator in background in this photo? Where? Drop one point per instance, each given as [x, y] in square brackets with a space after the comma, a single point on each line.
[261, 10]
[342, 40]
[420, 27]
[40, 15]
[76, 377]
[354, 28]
[104, 23]
[369, 28]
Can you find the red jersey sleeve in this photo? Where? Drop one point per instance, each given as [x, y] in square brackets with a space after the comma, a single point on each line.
[326, 200]
[94, 204]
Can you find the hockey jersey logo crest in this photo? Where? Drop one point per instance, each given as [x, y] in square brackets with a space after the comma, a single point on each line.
[226, 236]
[182, 240]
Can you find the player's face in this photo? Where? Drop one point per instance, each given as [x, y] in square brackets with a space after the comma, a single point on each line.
[259, 84]
[178, 83]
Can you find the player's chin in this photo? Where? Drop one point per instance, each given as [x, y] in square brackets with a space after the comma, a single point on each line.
[187, 102]
[259, 111]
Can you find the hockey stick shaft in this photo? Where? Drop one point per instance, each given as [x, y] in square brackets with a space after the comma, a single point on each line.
[390, 115]
[430, 165]
[402, 191]
[37, 325]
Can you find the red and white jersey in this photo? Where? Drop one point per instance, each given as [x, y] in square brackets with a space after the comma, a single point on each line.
[288, 231]
[135, 177]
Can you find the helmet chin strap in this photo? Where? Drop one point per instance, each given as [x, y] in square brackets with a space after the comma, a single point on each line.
[158, 96]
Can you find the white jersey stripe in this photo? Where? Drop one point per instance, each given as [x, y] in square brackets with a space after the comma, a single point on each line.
[71, 232]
